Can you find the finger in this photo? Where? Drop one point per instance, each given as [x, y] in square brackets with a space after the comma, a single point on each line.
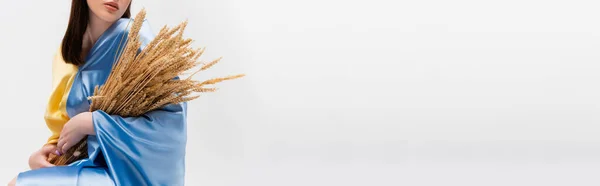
[48, 149]
[61, 135]
[61, 142]
[54, 151]
[44, 163]
[57, 152]
[65, 147]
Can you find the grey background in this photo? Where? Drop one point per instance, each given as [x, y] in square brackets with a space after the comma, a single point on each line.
[356, 93]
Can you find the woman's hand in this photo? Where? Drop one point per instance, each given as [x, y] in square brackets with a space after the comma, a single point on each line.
[74, 130]
[39, 158]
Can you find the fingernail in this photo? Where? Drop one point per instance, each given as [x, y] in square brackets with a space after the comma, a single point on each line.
[57, 152]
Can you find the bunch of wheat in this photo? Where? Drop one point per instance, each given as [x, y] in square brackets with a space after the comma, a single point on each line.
[145, 81]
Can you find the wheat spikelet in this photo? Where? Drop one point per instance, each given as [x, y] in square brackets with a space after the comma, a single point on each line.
[218, 80]
[148, 80]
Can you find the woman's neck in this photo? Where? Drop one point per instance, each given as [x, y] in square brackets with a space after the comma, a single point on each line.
[96, 27]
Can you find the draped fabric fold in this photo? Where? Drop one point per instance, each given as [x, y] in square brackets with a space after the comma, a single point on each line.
[56, 115]
[144, 150]
[147, 152]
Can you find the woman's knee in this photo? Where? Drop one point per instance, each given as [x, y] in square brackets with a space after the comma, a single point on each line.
[13, 182]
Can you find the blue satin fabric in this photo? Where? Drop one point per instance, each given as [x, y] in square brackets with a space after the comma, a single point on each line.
[145, 150]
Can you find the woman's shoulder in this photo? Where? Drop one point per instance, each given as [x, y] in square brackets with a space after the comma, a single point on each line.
[61, 69]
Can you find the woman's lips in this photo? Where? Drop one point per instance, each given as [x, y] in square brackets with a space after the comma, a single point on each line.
[111, 6]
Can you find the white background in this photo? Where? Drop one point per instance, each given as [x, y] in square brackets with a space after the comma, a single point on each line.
[356, 93]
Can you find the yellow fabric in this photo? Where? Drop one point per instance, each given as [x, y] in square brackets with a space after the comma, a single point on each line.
[56, 115]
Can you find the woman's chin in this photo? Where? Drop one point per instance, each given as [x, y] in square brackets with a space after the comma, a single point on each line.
[109, 17]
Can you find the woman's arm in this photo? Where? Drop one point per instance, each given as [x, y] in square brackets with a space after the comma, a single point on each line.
[74, 130]
[137, 150]
[56, 115]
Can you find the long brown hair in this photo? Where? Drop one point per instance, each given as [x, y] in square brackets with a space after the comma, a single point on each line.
[78, 22]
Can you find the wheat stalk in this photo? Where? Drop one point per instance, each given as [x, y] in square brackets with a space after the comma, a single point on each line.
[139, 83]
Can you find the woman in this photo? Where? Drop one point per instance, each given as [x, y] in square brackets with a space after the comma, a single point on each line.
[147, 150]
